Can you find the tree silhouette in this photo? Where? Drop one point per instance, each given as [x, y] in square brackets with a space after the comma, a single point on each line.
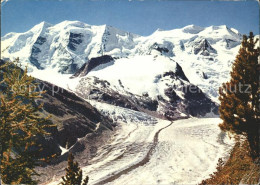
[239, 98]
[73, 173]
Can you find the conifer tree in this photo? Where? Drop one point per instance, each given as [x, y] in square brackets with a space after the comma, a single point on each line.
[239, 98]
[73, 173]
[20, 123]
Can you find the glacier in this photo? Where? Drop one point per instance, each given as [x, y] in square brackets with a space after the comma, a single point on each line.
[147, 150]
[139, 82]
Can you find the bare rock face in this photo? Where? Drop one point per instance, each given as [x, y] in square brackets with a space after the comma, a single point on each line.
[166, 48]
[100, 90]
[73, 116]
[180, 96]
[231, 43]
[193, 101]
[197, 103]
[93, 63]
[74, 40]
[204, 48]
[36, 50]
[177, 74]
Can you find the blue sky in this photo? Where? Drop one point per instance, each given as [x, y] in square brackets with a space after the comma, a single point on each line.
[140, 17]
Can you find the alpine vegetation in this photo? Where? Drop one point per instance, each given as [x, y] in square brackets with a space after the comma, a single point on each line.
[21, 124]
[239, 108]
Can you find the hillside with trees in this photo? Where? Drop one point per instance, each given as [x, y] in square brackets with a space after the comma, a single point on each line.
[20, 125]
[240, 113]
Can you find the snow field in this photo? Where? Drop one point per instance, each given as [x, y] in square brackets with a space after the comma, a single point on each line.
[101, 40]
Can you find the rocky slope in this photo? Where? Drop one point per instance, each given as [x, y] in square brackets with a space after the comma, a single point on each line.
[74, 119]
[113, 66]
[163, 90]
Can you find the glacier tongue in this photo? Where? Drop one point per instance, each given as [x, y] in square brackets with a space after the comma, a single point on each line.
[180, 152]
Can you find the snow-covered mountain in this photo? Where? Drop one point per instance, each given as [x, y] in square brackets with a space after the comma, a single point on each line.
[156, 85]
[142, 71]
[65, 46]
[135, 80]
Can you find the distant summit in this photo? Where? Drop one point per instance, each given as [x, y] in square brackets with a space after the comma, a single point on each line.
[65, 47]
[193, 29]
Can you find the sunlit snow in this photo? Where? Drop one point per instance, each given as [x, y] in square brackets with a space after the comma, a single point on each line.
[144, 149]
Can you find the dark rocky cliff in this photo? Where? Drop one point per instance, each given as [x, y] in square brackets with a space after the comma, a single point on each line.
[93, 63]
[73, 116]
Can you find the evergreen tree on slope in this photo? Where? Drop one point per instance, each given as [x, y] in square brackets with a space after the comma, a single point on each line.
[239, 108]
[20, 123]
[73, 173]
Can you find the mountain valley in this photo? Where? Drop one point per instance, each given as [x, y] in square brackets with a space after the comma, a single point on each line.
[127, 104]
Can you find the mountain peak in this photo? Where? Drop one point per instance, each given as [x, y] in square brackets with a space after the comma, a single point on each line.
[41, 26]
[225, 32]
[159, 29]
[234, 30]
[219, 27]
[67, 23]
[192, 29]
[44, 23]
[66, 46]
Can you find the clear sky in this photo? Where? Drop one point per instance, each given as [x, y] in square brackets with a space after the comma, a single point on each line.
[140, 17]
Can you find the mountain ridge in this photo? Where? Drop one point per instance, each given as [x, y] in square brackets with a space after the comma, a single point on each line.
[158, 29]
[63, 49]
